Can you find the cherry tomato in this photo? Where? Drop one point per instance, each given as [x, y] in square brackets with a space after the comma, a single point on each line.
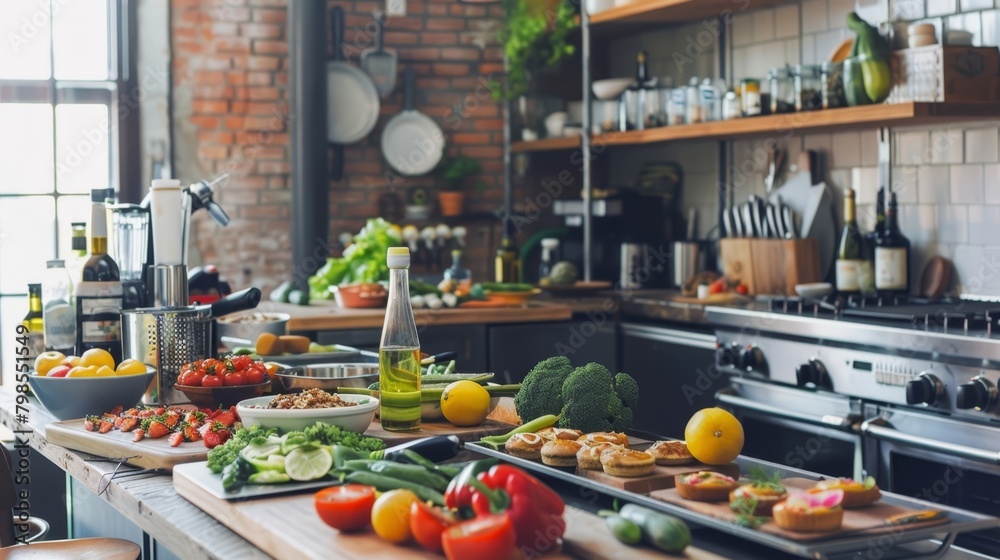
[191, 378]
[240, 363]
[221, 369]
[742, 289]
[208, 364]
[234, 378]
[346, 508]
[255, 375]
[489, 537]
[717, 287]
[212, 381]
[427, 524]
[391, 515]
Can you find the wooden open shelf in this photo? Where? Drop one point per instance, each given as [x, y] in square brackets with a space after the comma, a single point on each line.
[660, 12]
[869, 116]
[546, 145]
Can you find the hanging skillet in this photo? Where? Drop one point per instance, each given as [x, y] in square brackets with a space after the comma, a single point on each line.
[352, 100]
[412, 143]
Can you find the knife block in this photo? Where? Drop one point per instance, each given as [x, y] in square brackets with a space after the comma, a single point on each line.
[770, 266]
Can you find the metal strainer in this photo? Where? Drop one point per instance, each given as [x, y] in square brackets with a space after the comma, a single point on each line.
[167, 338]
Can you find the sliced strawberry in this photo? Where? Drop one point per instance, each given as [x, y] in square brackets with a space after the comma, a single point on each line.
[159, 411]
[129, 424]
[158, 429]
[212, 439]
[118, 422]
[138, 434]
[226, 418]
[191, 433]
[117, 410]
[176, 439]
[145, 413]
[90, 423]
[105, 427]
[171, 420]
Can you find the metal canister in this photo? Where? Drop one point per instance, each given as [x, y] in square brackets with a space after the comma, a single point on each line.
[166, 339]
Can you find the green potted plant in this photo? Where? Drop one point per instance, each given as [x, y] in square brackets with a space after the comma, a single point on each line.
[534, 35]
[456, 172]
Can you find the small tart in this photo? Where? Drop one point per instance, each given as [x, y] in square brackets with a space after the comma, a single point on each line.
[525, 446]
[857, 494]
[560, 453]
[552, 433]
[589, 456]
[670, 453]
[705, 486]
[605, 437]
[810, 512]
[627, 462]
[766, 495]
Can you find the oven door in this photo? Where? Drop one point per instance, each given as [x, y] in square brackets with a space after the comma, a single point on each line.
[807, 430]
[937, 459]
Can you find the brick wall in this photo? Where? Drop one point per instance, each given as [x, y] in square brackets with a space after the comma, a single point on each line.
[230, 116]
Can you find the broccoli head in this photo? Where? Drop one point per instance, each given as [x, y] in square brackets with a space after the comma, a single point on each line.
[593, 401]
[540, 392]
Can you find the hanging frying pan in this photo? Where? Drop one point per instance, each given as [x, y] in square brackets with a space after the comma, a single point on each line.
[352, 100]
[412, 143]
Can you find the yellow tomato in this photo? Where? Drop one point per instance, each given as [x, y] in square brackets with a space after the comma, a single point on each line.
[714, 436]
[97, 357]
[391, 515]
[83, 371]
[46, 361]
[104, 371]
[465, 403]
[130, 367]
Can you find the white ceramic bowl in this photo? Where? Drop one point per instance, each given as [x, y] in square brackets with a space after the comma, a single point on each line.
[814, 290]
[598, 6]
[354, 418]
[555, 123]
[611, 89]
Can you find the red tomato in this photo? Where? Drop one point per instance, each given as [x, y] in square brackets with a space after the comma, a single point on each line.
[221, 369]
[255, 375]
[208, 364]
[718, 287]
[191, 378]
[234, 378]
[489, 537]
[240, 363]
[427, 523]
[742, 289]
[347, 507]
[211, 381]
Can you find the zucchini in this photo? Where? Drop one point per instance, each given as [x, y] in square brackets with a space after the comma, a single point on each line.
[664, 532]
[624, 530]
[385, 483]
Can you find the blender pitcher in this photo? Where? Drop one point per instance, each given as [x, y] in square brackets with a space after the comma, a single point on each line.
[131, 227]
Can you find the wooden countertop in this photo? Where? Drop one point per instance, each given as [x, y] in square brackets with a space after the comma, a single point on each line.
[327, 315]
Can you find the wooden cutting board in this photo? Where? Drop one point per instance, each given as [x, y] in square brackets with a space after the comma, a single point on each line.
[147, 453]
[288, 527]
[427, 429]
[869, 520]
[662, 477]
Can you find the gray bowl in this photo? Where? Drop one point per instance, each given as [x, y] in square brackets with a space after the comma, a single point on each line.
[68, 398]
[328, 377]
[230, 325]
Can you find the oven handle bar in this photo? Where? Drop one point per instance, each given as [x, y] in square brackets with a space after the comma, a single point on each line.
[879, 428]
[725, 396]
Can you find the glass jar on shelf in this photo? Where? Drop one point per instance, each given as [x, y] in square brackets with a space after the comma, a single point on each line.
[833, 85]
[808, 87]
[750, 88]
[677, 111]
[731, 106]
[782, 90]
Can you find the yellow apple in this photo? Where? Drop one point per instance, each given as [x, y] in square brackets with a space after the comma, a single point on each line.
[48, 360]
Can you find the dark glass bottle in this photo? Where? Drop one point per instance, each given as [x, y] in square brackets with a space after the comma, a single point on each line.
[892, 256]
[850, 256]
[507, 264]
[99, 293]
[33, 322]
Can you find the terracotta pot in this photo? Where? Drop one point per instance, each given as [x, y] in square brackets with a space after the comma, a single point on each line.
[451, 202]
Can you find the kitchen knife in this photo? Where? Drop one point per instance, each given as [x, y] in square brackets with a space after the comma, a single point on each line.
[748, 221]
[772, 222]
[727, 224]
[765, 228]
[738, 229]
[435, 449]
[791, 227]
[759, 226]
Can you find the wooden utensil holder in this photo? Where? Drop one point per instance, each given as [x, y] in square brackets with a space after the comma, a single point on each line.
[770, 266]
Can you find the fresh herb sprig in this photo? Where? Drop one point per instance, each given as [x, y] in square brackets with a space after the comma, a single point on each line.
[760, 479]
[744, 508]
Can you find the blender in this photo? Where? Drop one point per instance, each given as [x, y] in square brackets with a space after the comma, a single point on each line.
[131, 231]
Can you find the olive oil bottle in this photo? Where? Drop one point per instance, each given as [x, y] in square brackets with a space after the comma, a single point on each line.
[399, 351]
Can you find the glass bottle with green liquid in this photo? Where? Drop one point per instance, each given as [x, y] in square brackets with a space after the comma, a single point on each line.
[399, 351]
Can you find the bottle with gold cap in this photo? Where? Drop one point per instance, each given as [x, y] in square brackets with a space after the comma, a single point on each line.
[399, 351]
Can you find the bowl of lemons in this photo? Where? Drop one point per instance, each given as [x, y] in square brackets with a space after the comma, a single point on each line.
[71, 387]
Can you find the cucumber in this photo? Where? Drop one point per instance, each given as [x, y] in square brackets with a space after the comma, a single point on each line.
[664, 532]
[624, 530]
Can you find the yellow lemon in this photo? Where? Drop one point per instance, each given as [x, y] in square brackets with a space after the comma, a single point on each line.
[104, 371]
[97, 357]
[130, 367]
[465, 403]
[714, 436]
[83, 371]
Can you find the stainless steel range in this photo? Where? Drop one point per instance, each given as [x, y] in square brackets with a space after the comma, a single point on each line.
[906, 392]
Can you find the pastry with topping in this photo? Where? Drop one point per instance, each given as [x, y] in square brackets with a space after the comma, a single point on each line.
[811, 511]
[616, 438]
[857, 494]
[589, 456]
[525, 446]
[627, 462]
[705, 486]
[670, 453]
[560, 453]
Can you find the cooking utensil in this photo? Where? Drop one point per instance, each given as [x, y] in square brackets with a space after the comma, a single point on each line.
[328, 377]
[692, 224]
[772, 222]
[412, 143]
[438, 358]
[791, 223]
[738, 225]
[775, 162]
[727, 224]
[935, 278]
[379, 62]
[755, 218]
[352, 100]
[689, 258]
[240, 301]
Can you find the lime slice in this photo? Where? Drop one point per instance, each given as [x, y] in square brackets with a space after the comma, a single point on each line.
[270, 463]
[260, 450]
[308, 463]
[269, 477]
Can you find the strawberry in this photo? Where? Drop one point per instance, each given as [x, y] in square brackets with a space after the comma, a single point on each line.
[117, 410]
[176, 438]
[90, 423]
[118, 422]
[212, 439]
[160, 411]
[129, 424]
[131, 412]
[226, 418]
[224, 434]
[171, 420]
[158, 429]
[145, 413]
[105, 427]
[191, 433]
[138, 434]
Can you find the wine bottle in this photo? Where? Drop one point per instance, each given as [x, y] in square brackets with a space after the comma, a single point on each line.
[34, 323]
[849, 257]
[867, 270]
[99, 292]
[892, 256]
[507, 265]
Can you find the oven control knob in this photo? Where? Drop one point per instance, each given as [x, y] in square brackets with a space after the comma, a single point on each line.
[979, 394]
[727, 356]
[752, 359]
[925, 389]
[813, 374]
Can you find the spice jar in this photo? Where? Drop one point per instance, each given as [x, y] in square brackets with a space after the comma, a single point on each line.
[730, 106]
[751, 97]
[833, 85]
[782, 90]
[808, 87]
[677, 110]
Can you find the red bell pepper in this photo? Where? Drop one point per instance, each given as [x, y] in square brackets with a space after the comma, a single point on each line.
[458, 495]
[534, 509]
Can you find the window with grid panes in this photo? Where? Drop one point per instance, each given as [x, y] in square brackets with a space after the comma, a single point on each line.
[62, 68]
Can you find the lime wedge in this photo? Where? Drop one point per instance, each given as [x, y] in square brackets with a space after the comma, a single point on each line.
[269, 477]
[308, 463]
[270, 463]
